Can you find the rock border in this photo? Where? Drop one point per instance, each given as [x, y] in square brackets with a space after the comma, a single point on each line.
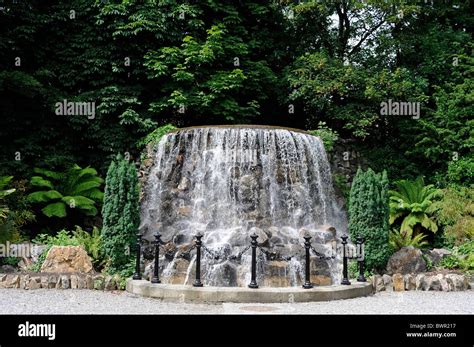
[44, 280]
[448, 282]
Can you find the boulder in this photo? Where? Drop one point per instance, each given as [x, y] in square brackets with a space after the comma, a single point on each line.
[34, 283]
[3, 281]
[24, 280]
[406, 260]
[12, 281]
[74, 282]
[421, 282]
[53, 281]
[262, 236]
[387, 281]
[89, 282]
[65, 282]
[437, 254]
[44, 282]
[276, 274]
[398, 283]
[319, 267]
[378, 284]
[457, 282]
[410, 282]
[66, 259]
[434, 283]
[110, 283]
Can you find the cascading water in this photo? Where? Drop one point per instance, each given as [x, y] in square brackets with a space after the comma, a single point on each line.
[227, 182]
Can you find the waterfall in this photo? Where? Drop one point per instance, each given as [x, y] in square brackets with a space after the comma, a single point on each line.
[227, 182]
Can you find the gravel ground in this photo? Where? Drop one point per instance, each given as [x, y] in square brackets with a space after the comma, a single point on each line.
[44, 301]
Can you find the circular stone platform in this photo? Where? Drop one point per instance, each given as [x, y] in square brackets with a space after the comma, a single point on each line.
[173, 292]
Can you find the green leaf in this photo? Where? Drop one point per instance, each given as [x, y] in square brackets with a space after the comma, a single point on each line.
[44, 196]
[48, 173]
[41, 182]
[57, 209]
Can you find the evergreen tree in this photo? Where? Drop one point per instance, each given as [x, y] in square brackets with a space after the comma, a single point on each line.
[369, 216]
[120, 212]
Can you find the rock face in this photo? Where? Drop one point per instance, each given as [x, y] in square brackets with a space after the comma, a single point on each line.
[406, 260]
[437, 254]
[64, 259]
[228, 182]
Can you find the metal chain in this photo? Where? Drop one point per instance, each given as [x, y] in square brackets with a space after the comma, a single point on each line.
[215, 255]
[273, 255]
[186, 254]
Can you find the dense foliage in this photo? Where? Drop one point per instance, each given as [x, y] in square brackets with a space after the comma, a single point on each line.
[76, 188]
[369, 216]
[147, 64]
[120, 212]
[326, 66]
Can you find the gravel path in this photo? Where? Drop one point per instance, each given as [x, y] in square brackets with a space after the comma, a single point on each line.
[44, 301]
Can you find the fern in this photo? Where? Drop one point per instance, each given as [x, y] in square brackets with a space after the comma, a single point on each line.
[400, 239]
[412, 202]
[75, 188]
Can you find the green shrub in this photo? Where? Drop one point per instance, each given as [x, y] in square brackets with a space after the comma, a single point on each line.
[62, 238]
[462, 257]
[13, 261]
[76, 188]
[326, 134]
[92, 243]
[125, 273]
[461, 172]
[455, 214]
[36, 267]
[19, 215]
[120, 212]
[156, 135]
[369, 216]
[400, 239]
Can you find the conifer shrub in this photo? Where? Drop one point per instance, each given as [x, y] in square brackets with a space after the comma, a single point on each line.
[120, 212]
[369, 216]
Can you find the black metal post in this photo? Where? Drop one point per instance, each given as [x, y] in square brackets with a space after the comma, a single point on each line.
[197, 281]
[307, 244]
[137, 275]
[361, 260]
[253, 281]
[345, 279]
[156, 268]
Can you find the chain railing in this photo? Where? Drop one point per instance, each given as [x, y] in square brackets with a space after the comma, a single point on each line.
[198, 246]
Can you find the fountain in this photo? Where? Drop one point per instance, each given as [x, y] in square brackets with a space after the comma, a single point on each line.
[228, 182]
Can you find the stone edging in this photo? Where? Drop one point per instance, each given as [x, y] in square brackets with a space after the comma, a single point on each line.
[58, 281]
[448, 282]
[186, 293]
